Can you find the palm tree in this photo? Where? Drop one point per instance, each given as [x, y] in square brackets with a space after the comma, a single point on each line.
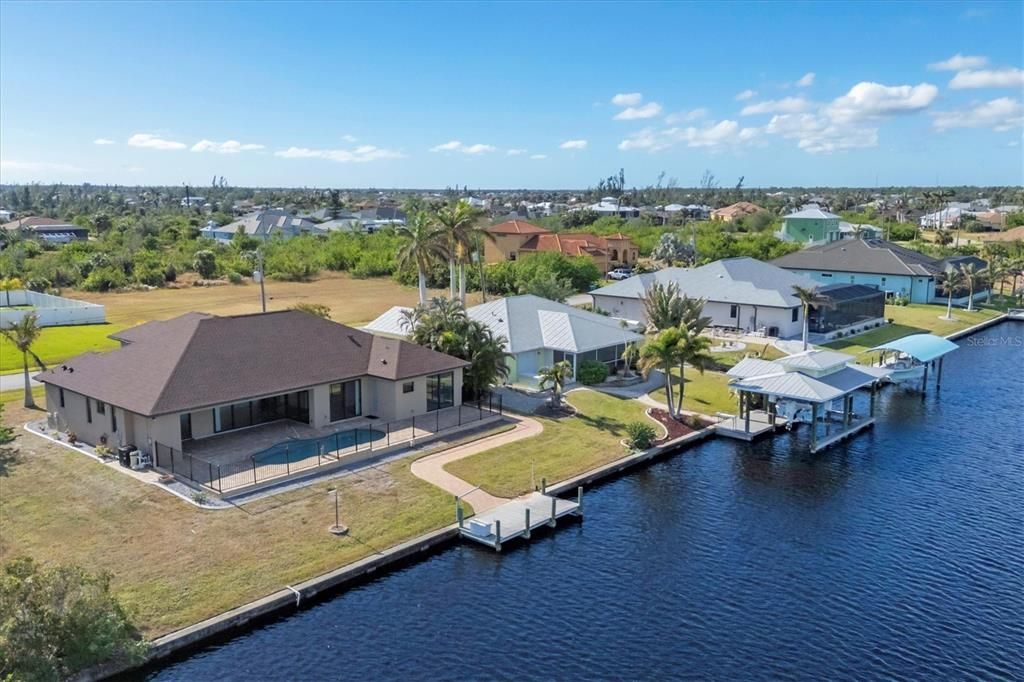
[422, 246]
[953, 281]
[972, 278]
[662, 306]
[22, 334]
[809, 297]
[629, 356]
[662, 353]
[997, 271]
[555, 376]
[691, 349]
[455, 223]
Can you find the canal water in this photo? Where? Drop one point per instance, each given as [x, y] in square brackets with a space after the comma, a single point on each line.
[896, 555]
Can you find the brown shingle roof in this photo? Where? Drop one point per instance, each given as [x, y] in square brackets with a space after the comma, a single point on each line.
[33, 221]
[198, 360]
[873, 256]
[517, 227]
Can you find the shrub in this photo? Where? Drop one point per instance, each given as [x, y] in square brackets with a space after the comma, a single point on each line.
[104, 279]
[590, 372]
[640, 435]
[234, 278]
[205, 263]
[170, 273]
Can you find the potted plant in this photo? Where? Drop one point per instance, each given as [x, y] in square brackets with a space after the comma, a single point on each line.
[72, 437]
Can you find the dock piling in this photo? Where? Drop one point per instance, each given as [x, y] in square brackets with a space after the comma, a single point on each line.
[458, 511]
[497, 535]
[526, 533]
[579, 501]
[543, 486]
[554, 510]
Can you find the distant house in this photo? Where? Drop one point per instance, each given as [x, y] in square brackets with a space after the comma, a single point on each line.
[1015, 234]
[537, 333]
[263, 225]
[191, 202]
[740, 293]
[859, 231]
[810, 225]
[740, 209]
[514, 239]
[610, 206]
[46, 229]
[893, 269]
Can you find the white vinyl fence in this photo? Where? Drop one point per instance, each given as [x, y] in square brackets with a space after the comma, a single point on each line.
[53, 311]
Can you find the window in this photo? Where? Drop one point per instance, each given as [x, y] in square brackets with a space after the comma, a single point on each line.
[61, 390]
[734, 311]
[253, 412]
[409, 387]
[827, 274]
[440, 391]
[88, 410]
[796, 314]
[186, 426]
[101, 407]
[345, 400]
[883, 281]
[113, 420]
[512, 255]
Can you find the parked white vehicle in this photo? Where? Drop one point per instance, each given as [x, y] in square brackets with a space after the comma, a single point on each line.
[620, 273]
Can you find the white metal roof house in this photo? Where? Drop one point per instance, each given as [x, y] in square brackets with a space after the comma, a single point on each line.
[537, 333]
[741, 293]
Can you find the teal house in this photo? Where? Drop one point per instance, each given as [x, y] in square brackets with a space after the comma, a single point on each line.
[811, 225]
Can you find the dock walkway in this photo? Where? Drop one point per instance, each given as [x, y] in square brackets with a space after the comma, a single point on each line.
[517, 518]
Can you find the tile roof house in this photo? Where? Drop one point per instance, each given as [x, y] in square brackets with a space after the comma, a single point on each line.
[892, 268]
[731, 212]
[198, 375]
[537, 333]
[741, 293]
[514, 238]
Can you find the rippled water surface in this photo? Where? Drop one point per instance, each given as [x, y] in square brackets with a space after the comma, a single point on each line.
[895, 555]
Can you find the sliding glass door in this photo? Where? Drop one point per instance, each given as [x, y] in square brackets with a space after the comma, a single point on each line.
[440, 391]
[346, 401]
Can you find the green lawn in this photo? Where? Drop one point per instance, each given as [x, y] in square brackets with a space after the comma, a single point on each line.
[706, 393]
[57, 344]
[912, 319]
[766, 350]
[567, 447]
[18, 395]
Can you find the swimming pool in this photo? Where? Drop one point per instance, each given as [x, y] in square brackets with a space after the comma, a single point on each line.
[295, 451]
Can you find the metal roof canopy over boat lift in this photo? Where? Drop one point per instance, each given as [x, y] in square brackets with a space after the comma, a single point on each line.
[815, 378]
[923, 350]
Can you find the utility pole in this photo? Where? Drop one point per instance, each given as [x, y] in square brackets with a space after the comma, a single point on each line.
[263, 291]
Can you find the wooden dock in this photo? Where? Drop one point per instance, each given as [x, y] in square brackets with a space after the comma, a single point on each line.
[818, 446]
[517, 518]
[759, 424]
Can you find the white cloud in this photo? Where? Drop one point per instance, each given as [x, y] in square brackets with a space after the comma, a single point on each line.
[745, 95]
[457, 146]
[573, 144]
[988, 78]
[819, 134]
[629, 99]
[516, 152]
[786, 105]
[228, 147]
[538, 157]
[649, 110]
[349, 138]
[687, 116]
[361, 154]
[959, 62]
[153, 142]
[873, 100]
[999, 114]
[806, 81]
[103, 140]
[721, 134]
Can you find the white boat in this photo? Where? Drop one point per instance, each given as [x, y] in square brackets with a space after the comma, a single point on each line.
[904, 369]
[1015, 313]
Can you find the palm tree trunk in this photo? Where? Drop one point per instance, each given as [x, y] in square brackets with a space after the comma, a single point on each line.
[949, 306]
[451, 278]
[669, 397]
[970, 299]
[423, 286]
[462, 283]
[682, 389]
[807, 327]
[29, 400]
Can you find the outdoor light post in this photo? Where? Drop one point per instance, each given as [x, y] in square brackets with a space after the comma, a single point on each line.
[337, 528]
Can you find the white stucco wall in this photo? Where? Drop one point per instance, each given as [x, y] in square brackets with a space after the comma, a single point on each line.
[633, 309]
[52, 311]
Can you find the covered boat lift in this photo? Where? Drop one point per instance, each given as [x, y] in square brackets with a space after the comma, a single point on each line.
[924, 350]
[816, 378]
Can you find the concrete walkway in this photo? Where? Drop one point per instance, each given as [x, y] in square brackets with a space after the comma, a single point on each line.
[16, 382]
[431, 468]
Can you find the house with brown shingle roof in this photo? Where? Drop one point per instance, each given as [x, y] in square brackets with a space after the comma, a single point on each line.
[514, 239]
[197, 376]
[47, 229]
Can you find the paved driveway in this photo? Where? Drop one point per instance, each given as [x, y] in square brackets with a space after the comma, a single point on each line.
[15, 382]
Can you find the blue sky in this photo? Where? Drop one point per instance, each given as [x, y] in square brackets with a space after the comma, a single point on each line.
[511, 94]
